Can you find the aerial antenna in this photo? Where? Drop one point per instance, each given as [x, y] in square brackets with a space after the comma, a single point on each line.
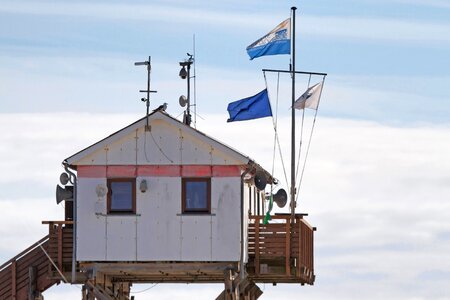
[148, 91]
[186, 74]
[195, 85]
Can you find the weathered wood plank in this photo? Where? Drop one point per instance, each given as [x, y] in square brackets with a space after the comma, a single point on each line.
[13, 280]
[257, 266]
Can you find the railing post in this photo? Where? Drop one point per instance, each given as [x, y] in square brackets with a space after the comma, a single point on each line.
[299, 262]
[257, 246]
[288, 248]
[13, 280]
[60, 246]
[312, 254]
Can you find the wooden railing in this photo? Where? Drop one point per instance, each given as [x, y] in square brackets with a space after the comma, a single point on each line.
[26, 274]
[282, 247]
[60, 247]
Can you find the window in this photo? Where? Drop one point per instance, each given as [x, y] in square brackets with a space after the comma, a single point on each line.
[122, 195]
[196, 195]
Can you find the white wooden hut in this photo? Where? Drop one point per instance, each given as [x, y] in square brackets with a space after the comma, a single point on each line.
[170, 193]
[162, 203]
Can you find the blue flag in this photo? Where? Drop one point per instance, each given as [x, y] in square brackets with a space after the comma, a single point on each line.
[278, 41]
[254, 107]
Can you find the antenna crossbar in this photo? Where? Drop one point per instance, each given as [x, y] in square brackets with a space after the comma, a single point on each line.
[148, 91]
[296, 72]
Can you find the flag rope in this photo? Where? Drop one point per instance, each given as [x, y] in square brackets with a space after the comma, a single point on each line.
[274, 122]
[301, 136]
[274, 136]
[310, 138]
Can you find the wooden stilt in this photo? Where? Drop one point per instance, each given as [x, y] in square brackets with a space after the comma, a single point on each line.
[84, 293]
[32, 284]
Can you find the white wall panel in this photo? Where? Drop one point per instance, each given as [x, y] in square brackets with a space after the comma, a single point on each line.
[196, 238]
[226, 228]
[195, 151]
[91, 229]
[222, 158]
[122, 151]
[96, 158]
[166, 138]
[159, 235]
[160, 146]
[121, 238]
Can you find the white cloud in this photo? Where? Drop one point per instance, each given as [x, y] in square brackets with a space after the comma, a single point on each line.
[378, 195]
[369, 29]
[174, 14]
[376, 29]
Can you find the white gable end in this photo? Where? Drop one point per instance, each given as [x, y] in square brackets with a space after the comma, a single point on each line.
[169, 142]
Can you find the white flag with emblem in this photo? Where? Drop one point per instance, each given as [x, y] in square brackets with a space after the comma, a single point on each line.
[310, 98]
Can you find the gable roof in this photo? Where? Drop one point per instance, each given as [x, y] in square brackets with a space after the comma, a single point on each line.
[73, 159]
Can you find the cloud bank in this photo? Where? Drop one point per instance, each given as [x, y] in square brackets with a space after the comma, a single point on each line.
[377, 193]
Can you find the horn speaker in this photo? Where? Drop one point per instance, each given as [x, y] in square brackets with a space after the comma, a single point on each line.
[260, 180]
[280, 198]
[64, 178]
[183, 101]
[65, 193]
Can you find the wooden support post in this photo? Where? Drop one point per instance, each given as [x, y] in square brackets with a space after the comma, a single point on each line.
[299, 259]
[288, 249]
[90, 294]
[312, 255]
[255, 213]
[249, 200]
[84, 292]
[258, 202]
[60, 247]
[257, 265]
[228, 284]
[13, 280]
[32, 284]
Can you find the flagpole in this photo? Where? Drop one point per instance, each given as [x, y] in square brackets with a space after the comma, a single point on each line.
[293, 9]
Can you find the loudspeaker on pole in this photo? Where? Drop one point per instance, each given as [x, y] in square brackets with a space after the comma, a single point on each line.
[260, 180]
[280, 198]
[65, 193]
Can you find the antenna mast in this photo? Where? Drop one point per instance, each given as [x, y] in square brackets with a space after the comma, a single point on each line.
[187, 118]
[195, 85]
[148, 91]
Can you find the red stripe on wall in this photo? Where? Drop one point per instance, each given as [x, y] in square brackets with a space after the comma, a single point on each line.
[196, 171]
[226, 171]
[130, 171]
[159, 171]
[121, 171]
[91, 171]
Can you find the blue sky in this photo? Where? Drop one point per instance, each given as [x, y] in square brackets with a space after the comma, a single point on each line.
[399, 48]
[377, 183]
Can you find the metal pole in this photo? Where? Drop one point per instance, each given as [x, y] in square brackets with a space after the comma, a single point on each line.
[293, 118]
[188, 110]
[148, 90]
[195, 87]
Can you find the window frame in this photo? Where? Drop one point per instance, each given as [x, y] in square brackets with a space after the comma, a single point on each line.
[133, 196]
[184, 209]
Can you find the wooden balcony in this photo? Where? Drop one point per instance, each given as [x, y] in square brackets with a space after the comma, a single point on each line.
[60, 246]
[281, 251]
